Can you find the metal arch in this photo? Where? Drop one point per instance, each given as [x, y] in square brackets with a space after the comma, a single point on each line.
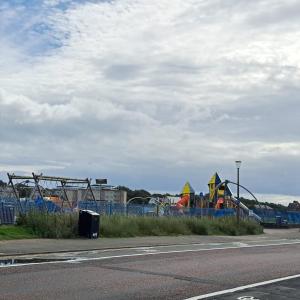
[228, 181]
[127, 203]
[137, 198]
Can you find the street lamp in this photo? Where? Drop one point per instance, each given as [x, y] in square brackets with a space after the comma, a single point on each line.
[238, 164]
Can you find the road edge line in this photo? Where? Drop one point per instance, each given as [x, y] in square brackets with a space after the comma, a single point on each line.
[149, 253]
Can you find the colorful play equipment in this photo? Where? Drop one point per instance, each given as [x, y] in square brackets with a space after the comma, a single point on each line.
[219, 197]
[187, 190]
[183, 202]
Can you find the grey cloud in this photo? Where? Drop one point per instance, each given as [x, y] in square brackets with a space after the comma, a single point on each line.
[122, 72]
[152, 99]
[278, 14]
[272, 118]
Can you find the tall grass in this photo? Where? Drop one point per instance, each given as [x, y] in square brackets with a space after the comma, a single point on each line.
[119, 226]
[66, 226]
[50, 225]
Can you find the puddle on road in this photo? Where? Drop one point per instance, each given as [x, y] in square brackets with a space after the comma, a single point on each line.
[19, 261]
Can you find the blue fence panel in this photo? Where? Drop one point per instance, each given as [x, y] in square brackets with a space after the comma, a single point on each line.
[7, 214]
[118, 209]
[269, 215]
[110, 208]
[224, 212]
[135, 210]
[294, 217]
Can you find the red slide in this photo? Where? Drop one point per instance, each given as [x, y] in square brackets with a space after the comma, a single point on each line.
[183, 202]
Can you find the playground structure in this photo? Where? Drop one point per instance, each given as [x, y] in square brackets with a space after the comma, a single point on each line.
[48, 192]
[187, 197]
[219, 197]
[62, 194]
[246, 211]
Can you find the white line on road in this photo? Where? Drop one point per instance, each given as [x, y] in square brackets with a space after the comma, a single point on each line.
[192, 244]
[244, 287]
[182, 251]
[86, 259]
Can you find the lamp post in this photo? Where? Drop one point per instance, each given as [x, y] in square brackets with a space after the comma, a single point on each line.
[238, 165]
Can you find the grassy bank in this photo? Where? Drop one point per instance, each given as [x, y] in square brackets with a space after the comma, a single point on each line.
[10, 232]
[65, 226]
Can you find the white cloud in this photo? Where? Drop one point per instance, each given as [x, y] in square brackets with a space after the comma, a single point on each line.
[151, 88]
[277, 198]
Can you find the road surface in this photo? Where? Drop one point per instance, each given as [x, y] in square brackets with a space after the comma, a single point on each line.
[162, 272]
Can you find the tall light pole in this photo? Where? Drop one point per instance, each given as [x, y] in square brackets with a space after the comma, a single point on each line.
[238, 165]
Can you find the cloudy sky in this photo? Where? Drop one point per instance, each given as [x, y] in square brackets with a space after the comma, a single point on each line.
[150, 94]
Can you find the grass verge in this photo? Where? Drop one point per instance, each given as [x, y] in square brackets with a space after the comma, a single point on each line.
[66, 226]
[120, 226]
[59, 226]
[11, 232]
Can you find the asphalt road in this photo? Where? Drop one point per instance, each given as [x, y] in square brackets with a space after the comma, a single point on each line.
[288, 289]
[174, 272]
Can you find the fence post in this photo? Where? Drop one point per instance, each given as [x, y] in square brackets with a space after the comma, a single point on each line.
[1, 212]
[110, 208]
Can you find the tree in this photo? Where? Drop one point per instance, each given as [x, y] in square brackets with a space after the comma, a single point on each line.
[23, 189]
[136, 193]
[251, 204]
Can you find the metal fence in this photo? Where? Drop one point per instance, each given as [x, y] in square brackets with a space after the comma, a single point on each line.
[27, 205]
[9, 208]
[7, 214]
[110, 208]
[12, 208]
[270, 216]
